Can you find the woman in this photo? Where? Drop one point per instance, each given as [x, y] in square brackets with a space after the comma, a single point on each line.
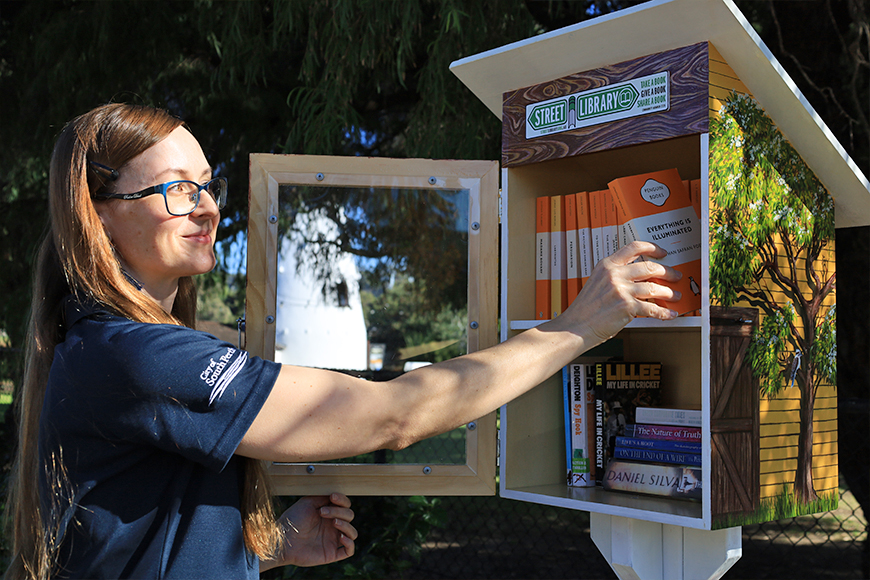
[145, 436]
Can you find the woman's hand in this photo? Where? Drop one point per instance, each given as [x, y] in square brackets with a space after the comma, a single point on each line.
[317, 531]
[620, 289]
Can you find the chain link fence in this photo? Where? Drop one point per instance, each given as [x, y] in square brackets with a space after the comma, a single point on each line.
[497, 538]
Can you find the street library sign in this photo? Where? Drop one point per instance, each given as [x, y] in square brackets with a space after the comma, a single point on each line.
[632, 98]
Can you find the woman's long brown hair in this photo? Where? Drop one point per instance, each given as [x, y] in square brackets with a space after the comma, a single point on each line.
[77, 257]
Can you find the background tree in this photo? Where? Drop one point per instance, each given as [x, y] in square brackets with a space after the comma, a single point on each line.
[342, 77]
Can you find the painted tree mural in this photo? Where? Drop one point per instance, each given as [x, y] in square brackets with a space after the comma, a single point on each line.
[771, 221]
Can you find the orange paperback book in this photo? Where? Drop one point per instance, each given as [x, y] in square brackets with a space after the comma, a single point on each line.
[584, 238]
[656, 208]
[596, 221]
[610, 227]
[573, 267]
[558, 265]
[542, 258]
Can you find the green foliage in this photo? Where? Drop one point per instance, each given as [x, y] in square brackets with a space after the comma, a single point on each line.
[768, 351]
[764, 195]
[823, 351]
[772, 220]
[340, 77]
[399, 317]
[220, 297]
[419, 234]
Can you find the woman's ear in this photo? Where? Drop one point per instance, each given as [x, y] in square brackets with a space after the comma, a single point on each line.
[105, 219]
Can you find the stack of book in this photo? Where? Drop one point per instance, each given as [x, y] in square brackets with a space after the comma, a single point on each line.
[576, 231]
[619, 437]
[600, 399]
[660, 454]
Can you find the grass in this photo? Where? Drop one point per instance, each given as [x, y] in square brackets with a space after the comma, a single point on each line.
[782, 506]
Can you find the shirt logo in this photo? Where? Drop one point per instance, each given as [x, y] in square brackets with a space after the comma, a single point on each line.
[218, 375]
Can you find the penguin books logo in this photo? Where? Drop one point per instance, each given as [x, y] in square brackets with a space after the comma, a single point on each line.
[655, 192]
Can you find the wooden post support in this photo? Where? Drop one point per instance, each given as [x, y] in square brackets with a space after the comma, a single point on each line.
[641, 550]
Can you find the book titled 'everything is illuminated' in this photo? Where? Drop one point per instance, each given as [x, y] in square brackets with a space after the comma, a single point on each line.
[656, 207]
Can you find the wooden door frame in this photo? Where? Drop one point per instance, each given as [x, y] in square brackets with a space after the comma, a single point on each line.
[267, 173]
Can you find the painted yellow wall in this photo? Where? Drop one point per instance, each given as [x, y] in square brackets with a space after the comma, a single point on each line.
[780, 417]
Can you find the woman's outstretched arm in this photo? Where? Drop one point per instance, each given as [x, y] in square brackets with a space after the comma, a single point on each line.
[316, 415]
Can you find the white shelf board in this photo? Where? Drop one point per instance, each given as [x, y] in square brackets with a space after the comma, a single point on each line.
[681, 322]
[666, 511]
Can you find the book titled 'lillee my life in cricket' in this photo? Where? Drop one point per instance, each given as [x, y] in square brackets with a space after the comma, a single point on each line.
[620, 389]
[656, 208]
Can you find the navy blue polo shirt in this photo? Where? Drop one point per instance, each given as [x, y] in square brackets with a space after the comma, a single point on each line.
[146, 419]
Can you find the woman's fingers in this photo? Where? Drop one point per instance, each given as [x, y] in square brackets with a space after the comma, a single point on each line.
[622, 287]
[338, 508]
[340, 499]
[347, 529]
[631, 252]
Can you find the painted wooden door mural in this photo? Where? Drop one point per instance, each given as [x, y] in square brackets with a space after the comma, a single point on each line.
[734, 420]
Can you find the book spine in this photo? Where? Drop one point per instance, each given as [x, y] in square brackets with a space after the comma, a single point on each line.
[566, 407]
[604, 437]
[678, 482]
[659, 444]
[595, 225]
[695, 196]
[584, 238]
[542, 258]
[573, 267]
[579, 428]
[666, 432]
[600, 442]
[655, 456]
[664, 416]
[594, 472]
[558, 266]
[687, 185]
[610, 223]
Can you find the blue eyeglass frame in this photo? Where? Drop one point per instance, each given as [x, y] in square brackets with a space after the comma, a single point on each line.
[221, 199]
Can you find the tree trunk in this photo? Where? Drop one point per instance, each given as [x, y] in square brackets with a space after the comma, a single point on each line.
[803, 482]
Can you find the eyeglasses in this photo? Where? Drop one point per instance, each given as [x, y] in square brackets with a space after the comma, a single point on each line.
[181, 197]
